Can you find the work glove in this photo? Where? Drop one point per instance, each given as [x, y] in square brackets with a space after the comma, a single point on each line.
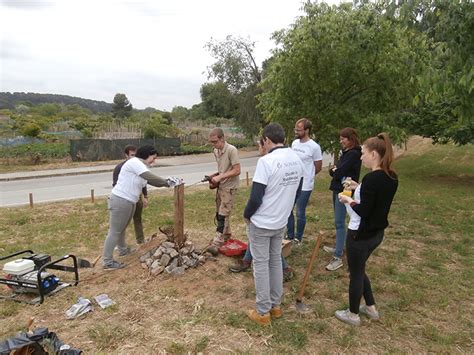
[174, 181]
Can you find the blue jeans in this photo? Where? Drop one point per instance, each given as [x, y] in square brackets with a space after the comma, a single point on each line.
[247, 259]
[340, 224]
[301, 203]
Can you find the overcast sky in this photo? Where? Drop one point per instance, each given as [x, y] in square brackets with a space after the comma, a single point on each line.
[150, 50]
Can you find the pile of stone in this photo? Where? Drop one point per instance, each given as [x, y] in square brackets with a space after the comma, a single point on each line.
[170, 258]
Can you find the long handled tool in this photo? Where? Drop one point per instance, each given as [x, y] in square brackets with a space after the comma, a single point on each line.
[300, 306]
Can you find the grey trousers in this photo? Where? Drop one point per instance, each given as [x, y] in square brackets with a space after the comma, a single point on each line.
[265, 245]
[120, 213]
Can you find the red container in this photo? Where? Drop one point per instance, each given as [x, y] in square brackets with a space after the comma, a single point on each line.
[233, 247]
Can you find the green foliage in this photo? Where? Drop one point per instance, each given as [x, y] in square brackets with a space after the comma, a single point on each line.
[155, 126]
[198, 112]
[237, 76]
[179, 114]
[195, 149]
[121, 107]
[44, 150]
[342, 66]
[30, 129]
[444, 106]
[240, 142]
[218, 100]
[87, 125]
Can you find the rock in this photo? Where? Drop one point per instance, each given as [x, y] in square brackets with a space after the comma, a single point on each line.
[144, 257]
[144, 265]
[149, 261]
[168, 245]
[155, 264]
[171, 266]
[198, 251]
[157, 270]
[158, 253]
[179, 270]
[174, 263]
[213, 250]
[165, 259]
[202, 259]
[186, 260]
[173, 253]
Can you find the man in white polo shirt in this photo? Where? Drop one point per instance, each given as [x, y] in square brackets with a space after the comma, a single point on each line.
[310, 154]
[277, 179]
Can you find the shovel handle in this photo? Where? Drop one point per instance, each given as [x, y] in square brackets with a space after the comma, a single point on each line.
[96, 260]
[310, 266]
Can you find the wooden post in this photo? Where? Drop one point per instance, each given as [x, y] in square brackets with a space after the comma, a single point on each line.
[31, 200]
[92, 196]
[247, 177]
[179, 214]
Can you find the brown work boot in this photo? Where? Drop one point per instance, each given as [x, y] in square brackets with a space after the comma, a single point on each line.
[276, 312]
[218, 240]
[258, 318]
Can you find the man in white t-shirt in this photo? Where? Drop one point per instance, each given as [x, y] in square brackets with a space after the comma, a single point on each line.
[277, 179]
[310, 154]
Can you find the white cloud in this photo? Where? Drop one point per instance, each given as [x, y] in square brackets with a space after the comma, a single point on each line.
[151, 50]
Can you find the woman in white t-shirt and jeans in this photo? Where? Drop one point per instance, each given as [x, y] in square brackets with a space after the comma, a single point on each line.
[133, 177]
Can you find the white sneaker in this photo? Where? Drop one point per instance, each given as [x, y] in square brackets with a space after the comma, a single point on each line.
[374, 315]
[348, 317]
[329, 250]
[335, 264]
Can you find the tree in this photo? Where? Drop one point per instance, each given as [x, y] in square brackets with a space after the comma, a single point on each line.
[343, 66]
[444, 105]
[218, 100]
[121, 107]
[236, 70]
[179, 114]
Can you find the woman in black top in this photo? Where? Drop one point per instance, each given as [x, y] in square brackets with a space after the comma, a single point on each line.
[348, 166]
[376, 195]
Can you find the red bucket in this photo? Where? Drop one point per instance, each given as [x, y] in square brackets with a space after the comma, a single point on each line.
[233, 247]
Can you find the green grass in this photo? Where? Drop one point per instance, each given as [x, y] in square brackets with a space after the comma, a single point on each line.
[422, 274]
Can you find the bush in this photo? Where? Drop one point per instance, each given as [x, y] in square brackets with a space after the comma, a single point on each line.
[44, 150]
[30, 129]
[195, 149]
[240, 142]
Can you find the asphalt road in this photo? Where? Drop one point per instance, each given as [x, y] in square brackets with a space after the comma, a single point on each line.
[48, 189]
[57, 188]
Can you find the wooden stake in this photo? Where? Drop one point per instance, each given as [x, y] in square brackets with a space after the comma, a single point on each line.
[247, 177]
[31, 200]
[92, 196]
[179, 214]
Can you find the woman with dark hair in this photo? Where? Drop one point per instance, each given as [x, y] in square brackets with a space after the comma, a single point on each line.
[348, 166]
[369, 217]
[133, 177]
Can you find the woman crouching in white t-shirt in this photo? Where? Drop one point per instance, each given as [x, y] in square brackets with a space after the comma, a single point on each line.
[133, 177]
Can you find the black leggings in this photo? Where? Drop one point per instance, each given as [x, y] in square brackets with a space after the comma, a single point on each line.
[358, 251]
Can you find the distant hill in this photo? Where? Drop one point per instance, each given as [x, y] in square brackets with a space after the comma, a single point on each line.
[10, 100]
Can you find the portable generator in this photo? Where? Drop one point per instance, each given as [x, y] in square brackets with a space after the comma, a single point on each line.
[30, 274]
